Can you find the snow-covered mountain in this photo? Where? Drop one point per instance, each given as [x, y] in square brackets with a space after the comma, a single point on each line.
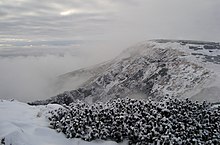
[155, 68]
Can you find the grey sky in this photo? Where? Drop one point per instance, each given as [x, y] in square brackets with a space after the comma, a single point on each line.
[40, 39]
[108, 20]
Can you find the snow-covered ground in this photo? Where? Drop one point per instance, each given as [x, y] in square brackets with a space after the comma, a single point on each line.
[21, 124]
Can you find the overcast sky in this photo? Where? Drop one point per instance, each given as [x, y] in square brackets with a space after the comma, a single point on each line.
[57, 35]
[76, 22]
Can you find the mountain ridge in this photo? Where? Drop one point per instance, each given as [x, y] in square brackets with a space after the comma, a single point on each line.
[154, 68]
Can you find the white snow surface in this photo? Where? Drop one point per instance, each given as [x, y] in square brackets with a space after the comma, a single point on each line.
[21, 124]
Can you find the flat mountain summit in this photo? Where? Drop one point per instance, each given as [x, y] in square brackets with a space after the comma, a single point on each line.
[156, 68]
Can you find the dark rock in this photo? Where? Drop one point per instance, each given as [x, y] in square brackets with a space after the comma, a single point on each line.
[195, 48]
[163, 72]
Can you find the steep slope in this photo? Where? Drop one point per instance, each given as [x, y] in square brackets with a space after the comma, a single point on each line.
[156, 68]
[76, 79]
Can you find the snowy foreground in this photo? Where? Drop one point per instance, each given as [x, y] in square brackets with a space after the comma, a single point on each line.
[21, 124]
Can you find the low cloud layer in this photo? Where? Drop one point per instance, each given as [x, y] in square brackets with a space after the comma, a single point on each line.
[31, 78]
[40, 39]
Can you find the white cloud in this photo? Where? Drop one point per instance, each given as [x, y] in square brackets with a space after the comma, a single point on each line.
[70, 12]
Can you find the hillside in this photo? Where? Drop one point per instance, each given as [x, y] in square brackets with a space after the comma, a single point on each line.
[155, 68]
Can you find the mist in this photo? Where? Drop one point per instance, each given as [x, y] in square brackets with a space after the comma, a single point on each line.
[40, 40]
